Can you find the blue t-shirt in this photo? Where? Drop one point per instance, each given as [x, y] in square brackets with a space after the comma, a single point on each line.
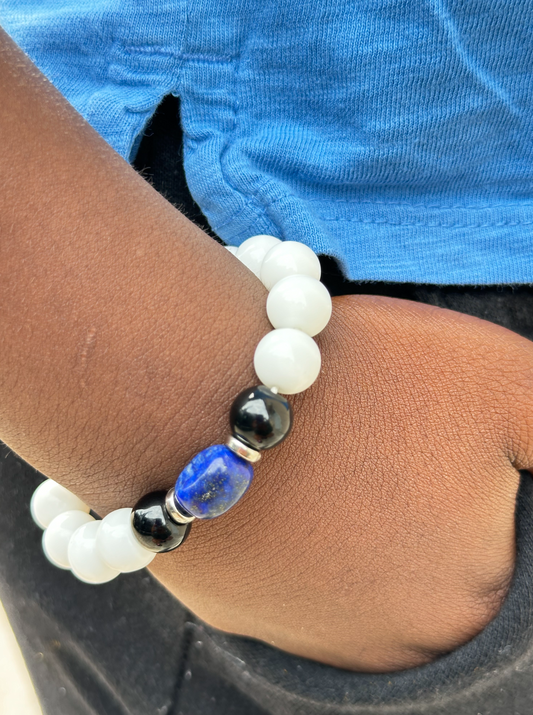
[396, 136]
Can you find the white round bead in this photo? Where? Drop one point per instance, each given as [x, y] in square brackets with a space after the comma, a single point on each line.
[232, 249]
[118, 546]
[51, 499]
[252, 251]
[58, 533]
[299, 302]
[85, 559]
[288, 360]
[288, 259]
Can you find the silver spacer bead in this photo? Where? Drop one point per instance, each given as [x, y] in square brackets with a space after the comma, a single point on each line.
[175, 512]
[242, 449]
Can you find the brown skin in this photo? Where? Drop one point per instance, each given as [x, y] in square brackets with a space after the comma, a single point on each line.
[379, 535]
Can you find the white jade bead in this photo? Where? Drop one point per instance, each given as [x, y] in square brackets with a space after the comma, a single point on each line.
[232, 249]
[57, 536]
[287, 259]
[51, 499]
[118, 546]
[299, 302]
[85, 559]
[288, 360]
[252, 251]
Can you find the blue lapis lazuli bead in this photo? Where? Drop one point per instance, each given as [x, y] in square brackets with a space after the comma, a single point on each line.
[213, 482]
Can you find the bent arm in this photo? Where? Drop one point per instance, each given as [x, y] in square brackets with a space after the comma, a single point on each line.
[125, 333]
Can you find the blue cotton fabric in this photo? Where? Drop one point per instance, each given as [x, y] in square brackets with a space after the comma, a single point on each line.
[395, 136]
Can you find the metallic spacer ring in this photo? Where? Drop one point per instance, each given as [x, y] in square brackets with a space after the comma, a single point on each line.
[243, 450]
[175, 511]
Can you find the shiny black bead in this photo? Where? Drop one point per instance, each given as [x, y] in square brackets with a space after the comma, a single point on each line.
[260, 418]
[153, 526]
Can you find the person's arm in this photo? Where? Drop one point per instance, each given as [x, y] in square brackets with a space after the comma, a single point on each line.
[380, 534]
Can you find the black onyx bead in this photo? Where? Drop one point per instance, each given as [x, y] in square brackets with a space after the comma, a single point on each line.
[260, 418]
[153, 527]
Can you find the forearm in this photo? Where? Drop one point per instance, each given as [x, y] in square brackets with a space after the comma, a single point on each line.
[125, 330]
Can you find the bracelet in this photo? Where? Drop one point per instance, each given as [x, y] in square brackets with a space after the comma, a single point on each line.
[286, 361]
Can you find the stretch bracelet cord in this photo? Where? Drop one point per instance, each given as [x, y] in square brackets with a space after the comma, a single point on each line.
[286, 361]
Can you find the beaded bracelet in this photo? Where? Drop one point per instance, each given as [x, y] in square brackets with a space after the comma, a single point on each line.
[286, 360]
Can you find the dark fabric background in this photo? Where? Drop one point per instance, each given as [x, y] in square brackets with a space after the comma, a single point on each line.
[128, 647]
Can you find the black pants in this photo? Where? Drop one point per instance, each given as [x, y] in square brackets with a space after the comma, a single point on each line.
[128, 647]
